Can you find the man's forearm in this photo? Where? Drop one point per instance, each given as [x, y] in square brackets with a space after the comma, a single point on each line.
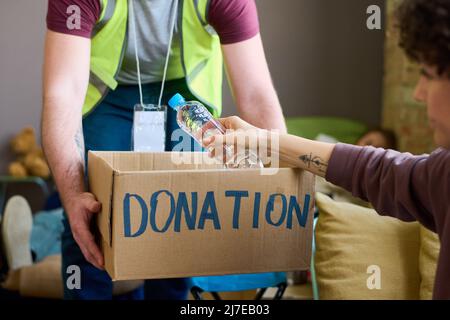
[252, 85]
[265, 111]
[63, 144]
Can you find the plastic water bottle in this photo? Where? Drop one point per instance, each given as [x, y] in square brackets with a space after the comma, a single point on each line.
[199, 123]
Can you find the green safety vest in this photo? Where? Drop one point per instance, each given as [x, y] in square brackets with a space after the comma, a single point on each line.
[201, 55]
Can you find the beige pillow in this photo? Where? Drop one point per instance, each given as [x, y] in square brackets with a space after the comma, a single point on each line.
[44, 280]
[429, 252]
[352, 239]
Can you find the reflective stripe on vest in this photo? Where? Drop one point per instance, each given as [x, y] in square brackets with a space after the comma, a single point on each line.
[201, 55]
[106, 15]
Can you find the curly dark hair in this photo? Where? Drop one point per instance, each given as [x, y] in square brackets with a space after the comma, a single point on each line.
[388, 135]
[425, 32]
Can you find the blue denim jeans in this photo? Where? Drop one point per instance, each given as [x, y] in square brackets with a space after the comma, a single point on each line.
[108, 128]
[45, 237]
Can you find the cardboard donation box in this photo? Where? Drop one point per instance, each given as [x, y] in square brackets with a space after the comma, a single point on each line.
[162, 218]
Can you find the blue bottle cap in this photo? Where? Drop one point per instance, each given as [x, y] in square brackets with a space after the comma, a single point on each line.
[176, 101]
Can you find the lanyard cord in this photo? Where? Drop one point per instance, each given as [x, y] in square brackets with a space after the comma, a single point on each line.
[172, 27]
[133, 20]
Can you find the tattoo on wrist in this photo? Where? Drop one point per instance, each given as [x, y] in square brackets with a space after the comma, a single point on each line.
[311, 160]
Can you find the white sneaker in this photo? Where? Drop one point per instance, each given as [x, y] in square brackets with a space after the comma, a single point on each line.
[16, 232]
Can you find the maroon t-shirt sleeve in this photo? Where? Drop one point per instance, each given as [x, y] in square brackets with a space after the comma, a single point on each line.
[59, 11]
[397, 184]
[234, 20]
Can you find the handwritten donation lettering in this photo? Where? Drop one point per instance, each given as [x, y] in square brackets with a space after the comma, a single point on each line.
[191, 211]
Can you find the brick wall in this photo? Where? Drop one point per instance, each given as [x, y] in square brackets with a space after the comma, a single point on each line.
[401, 112]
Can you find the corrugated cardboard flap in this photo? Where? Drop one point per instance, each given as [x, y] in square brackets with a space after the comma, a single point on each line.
[101, 184]
[158, 161]
[306, 185]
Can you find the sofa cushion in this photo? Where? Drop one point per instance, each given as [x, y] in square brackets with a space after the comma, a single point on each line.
[350, 240]
[44, 280]
[429, 252]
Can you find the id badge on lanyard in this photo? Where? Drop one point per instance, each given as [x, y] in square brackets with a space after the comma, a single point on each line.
[149, 128]
[149, 121]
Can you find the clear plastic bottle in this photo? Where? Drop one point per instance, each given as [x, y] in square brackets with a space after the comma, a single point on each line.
[199, 123]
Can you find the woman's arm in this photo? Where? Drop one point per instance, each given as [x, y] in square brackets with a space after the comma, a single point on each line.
[291, 150]
[306, 154]
[397, 184]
